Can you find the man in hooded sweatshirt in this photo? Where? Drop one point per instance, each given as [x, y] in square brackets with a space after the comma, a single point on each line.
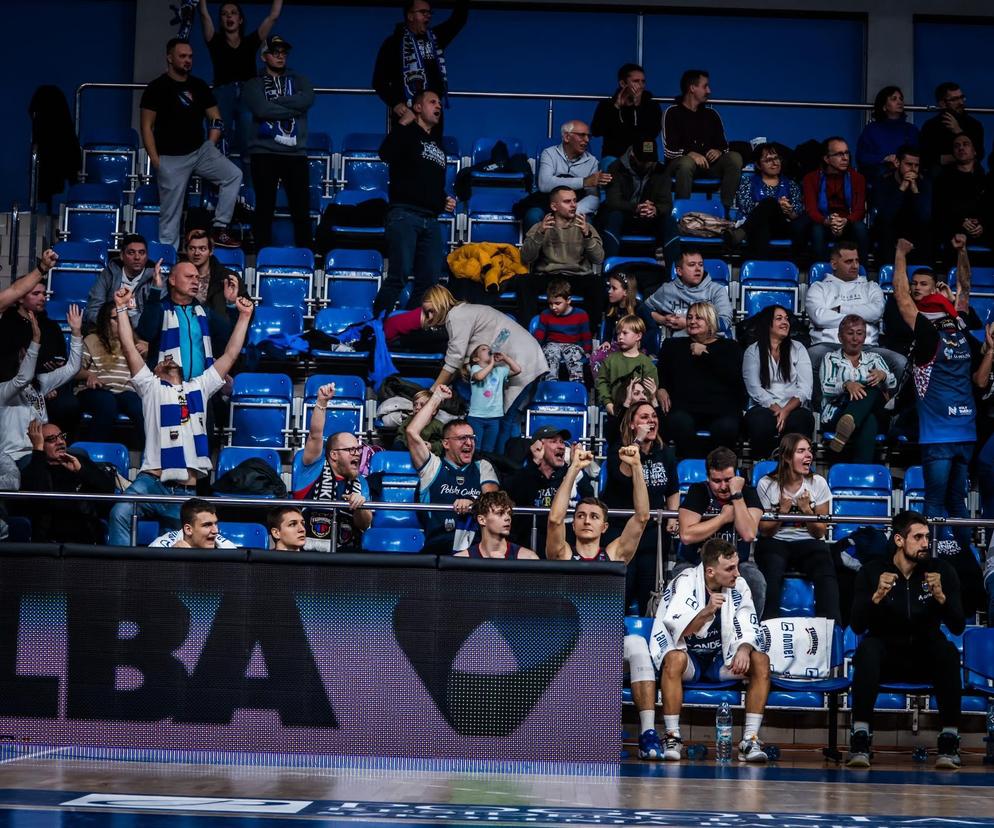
[669, 304]
[638, 199]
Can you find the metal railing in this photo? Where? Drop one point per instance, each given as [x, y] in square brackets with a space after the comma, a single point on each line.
[660, 516]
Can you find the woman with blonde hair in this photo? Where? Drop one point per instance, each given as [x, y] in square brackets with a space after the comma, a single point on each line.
[470, 326]
[701, 384]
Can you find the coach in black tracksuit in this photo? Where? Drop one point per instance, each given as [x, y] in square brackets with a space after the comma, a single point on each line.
[899, 604]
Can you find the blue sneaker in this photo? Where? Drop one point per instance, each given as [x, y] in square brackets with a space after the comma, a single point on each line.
[650, 746]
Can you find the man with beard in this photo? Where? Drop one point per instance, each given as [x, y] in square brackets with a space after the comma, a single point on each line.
[899, 604]
[453, 479]
[938, 133]
[493, 512]
[173, 109]
[132, 270]
[331, 472]
[53, 469]
[537, 483]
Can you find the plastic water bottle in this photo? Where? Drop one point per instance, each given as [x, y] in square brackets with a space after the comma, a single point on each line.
[502, 336]
[723, 734]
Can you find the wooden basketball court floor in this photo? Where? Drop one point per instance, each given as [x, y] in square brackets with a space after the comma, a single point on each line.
[44, 790]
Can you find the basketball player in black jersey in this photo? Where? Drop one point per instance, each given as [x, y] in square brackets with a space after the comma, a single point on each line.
[493, 512]
[590, 516]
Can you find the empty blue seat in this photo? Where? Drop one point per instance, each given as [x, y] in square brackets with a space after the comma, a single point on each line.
[114, 453]
[398, 481]
[261, 405]
[145, 212]
[244, 535]
[92, 212]
[690, 471]
[797, 597]
[232, 258]
[285, 277]
[981, 281]
[561, 405]
[109, 157]
[859, 489]
[394, 541]
[166, 252]
[490, 217]
[761, 469]
[361, 167]
[978, 661]
[765, 283]
[69, 282]
[914, 488]
[352, 277]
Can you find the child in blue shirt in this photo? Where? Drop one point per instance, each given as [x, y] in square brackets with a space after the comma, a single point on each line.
[488, 373]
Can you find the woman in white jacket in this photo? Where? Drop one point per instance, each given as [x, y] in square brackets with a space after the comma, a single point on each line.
[22, 392]
[471, 325]
[777, 375]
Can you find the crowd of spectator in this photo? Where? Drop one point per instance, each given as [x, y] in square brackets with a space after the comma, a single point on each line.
[661, 357]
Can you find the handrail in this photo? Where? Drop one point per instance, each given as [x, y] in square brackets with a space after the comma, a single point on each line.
[268, 503]
[551, 97]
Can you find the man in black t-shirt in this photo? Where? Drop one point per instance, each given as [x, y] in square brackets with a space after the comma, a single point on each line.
[173, 109]
[417, 196]
[738, 509]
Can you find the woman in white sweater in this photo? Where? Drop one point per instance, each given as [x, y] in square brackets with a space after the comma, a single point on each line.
[471, 325]
[777, 375]
[22, 393]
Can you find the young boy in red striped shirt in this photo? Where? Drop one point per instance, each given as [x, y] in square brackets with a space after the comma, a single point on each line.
[564, 332]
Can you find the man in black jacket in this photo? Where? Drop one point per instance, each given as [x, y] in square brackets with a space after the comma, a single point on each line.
[412, 60]
[53, 469]
[417, 196]
[899, 604]
[628, 116]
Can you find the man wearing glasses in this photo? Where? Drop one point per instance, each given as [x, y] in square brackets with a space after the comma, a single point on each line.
[331, 472]
[412, 59]
[938, 133]
[835, 201]
[454, 479]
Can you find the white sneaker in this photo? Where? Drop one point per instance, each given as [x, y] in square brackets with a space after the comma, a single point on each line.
[751, 750]
[672, 748]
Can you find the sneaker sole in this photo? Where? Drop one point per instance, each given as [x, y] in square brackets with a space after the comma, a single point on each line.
[843, 431]
[858, 762]
[755, 760]
[946, 763]
[671, 758]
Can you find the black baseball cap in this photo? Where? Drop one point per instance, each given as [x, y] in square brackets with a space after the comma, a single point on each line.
[275, 42]
[645, 151]
[551, 432]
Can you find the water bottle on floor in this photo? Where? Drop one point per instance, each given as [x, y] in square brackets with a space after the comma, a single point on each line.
[723, 733]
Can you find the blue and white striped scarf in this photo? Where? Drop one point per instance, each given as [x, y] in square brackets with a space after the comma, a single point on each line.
[169, 342]
[182, 431]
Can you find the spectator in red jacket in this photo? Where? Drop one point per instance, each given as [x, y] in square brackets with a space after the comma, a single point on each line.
[835, 200]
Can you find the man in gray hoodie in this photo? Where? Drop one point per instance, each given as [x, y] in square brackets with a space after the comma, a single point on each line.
[132, 270]
[277, 144]
[669, 304]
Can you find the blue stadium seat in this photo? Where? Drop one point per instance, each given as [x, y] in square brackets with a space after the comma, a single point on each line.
[232, 258]
[562, 405]
[244, 535]
[285, 277]
[147, 531]
[490, 218]
[761, 469]
[483, 151]
[352, 277]
[885, 277]
[319, 168]
[92, 212]
[399, 482]
[978, 662]
[261, 405]
[231, 456]
[346, 410]
[859, 489]
[274, 322]
[145, 212]
[690, 471]
[797, 597]
[394, 541]
[72, 277]
[981, 281]
[914, 488]
[718, 269]
[354, 197]
[698, 203]
[109, 157]
[115, 453]
[765, 283]
[361, 167]
[166, 252]
[334, 321]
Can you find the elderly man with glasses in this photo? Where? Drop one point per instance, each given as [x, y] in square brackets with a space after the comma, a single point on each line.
[835, 201]
[454, 479]
[331, 472]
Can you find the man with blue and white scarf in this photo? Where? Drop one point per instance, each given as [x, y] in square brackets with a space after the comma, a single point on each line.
[176, 451]
[412, 60]
[277, 143]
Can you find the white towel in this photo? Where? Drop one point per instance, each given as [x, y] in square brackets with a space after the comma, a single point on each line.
[684, 597]
[799, 648]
